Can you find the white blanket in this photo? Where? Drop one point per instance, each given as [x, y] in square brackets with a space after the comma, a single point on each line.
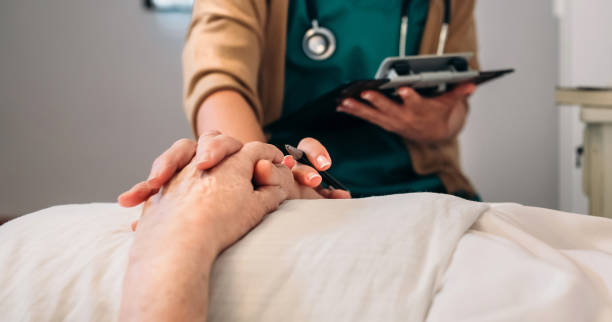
[522, 263]
[375, 259]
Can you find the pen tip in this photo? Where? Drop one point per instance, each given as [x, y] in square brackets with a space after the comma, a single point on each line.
[293, 151]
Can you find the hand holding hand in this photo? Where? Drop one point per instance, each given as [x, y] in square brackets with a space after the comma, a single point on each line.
[189, 222]
[221, 202]
[212, 148]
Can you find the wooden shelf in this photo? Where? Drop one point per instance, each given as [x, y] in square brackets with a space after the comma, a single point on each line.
[592, 97]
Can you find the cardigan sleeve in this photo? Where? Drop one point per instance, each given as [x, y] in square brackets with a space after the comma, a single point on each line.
[223, 50]
[462, 30]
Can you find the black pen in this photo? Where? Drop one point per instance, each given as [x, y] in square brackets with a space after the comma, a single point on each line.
[300, 157]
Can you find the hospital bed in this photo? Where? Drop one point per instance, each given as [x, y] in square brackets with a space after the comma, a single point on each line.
[408, 257]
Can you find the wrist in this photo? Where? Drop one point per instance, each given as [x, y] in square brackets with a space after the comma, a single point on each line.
[173, 233]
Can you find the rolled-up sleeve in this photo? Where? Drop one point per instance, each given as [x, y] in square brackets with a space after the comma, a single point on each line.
[462, 30]
[223, 50]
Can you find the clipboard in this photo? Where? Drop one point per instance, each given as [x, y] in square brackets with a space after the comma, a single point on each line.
[429, 75]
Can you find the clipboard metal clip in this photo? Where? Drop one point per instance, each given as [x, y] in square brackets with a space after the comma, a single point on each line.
[431, 72]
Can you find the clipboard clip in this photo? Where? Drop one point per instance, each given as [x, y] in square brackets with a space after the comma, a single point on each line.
[433, 74]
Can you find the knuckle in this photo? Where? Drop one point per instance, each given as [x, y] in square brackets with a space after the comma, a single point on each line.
[251, 146]
[308, 142]
[229, 141]
[160, 161]
[210, 133]
[183, 143]
[213, 145]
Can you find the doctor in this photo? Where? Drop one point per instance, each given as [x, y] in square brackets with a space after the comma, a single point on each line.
[248, 63]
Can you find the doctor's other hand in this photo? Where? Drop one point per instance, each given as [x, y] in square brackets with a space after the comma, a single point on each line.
[417, 119]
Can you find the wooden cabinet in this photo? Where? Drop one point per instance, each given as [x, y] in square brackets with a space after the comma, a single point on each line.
[596, 113]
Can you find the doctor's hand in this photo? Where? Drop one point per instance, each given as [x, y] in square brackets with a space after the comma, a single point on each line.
[418, 119]
[319, 157]
[212, 148]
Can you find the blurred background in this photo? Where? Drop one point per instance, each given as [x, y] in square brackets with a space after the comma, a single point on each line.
[90, 94]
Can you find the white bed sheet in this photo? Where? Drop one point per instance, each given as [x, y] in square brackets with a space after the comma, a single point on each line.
[523, 263]
[333, 261]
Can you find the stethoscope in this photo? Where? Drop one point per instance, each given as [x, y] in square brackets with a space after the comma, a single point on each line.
[319, 43]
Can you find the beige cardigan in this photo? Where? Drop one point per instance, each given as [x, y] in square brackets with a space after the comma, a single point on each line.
[240, 45]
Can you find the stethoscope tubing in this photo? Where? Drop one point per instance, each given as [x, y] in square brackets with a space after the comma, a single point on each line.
[330, 41]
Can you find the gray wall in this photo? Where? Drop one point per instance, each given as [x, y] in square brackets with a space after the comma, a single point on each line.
[509, 147]
[90, 93]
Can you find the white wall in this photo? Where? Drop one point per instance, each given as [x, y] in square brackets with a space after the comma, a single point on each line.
[586, 60]
[510, 143]
[90, 93]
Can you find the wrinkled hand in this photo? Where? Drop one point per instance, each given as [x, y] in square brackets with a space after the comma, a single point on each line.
[221, 202]
[209, 151]
[185, 226]
[418, 119]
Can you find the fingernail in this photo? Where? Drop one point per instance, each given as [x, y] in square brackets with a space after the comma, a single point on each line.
[312, 176]
[366, 95]
[346, 103]
[323, 161]
[404, 92]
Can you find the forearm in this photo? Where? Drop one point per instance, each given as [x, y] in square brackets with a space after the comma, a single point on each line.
[227, 111]
[167, 278]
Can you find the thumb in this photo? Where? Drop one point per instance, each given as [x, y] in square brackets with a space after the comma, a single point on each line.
[464, 90]
[409, 96]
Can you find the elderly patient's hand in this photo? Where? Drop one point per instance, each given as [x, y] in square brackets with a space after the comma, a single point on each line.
[223, 202]
[209, 151]
[189, 222]
[215, 147]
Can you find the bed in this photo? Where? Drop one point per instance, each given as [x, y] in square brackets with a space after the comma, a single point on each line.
[407, 257]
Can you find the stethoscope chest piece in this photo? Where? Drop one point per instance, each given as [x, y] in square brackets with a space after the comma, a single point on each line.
[318, 43]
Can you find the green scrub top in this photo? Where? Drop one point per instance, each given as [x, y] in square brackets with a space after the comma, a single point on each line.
[367, 159]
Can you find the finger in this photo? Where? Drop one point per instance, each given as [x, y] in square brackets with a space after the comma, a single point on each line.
[267, 173]
[173, 159]
[289, 161]
[381, 102]
[355, 108]
[458, 93]
[306, 175]
[136, 195]
[410, 97]
[316, 153]
[214, 147]
[268, 198]
[256, 151]
[465, 89]
[334, 193]
[340, 194]
[134, 225]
